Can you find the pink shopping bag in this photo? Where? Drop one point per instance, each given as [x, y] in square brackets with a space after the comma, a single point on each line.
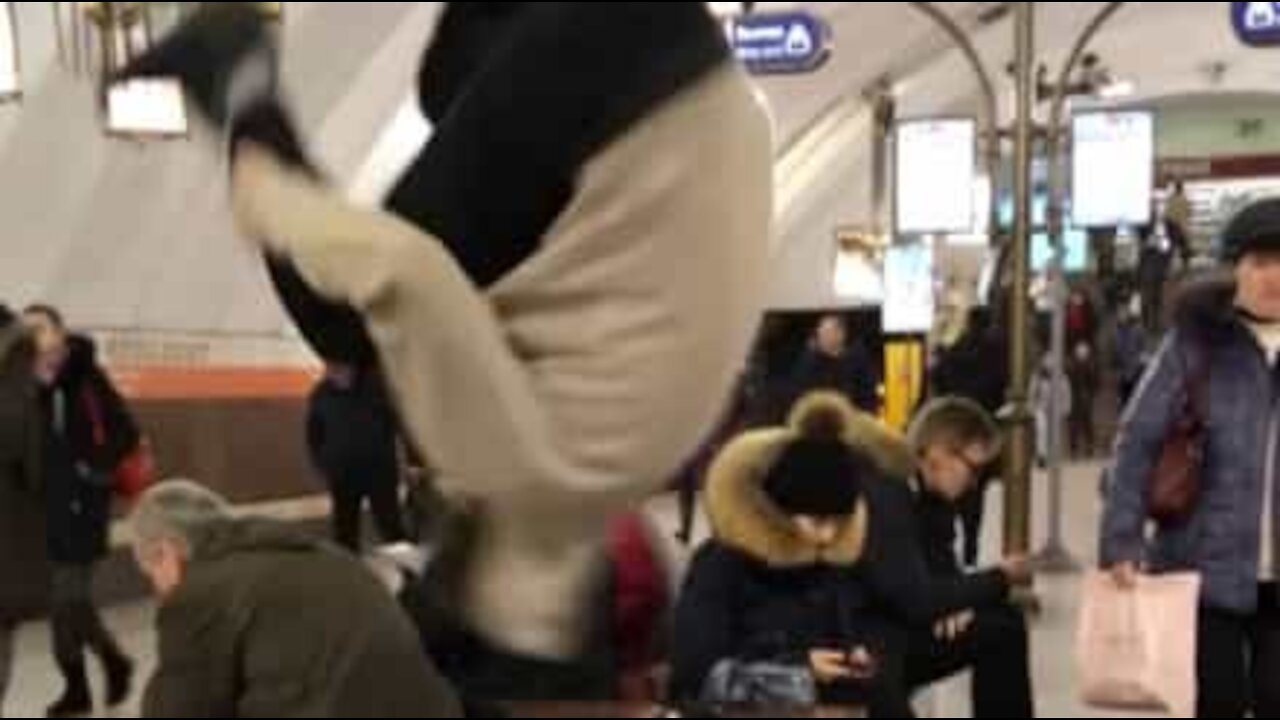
[1137, 648]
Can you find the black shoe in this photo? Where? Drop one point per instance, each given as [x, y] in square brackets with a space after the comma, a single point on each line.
[119, 672]
[207, 51]
[75, 702]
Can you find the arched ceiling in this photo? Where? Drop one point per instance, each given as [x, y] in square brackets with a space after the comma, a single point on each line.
[1166, 49]
[137, 236]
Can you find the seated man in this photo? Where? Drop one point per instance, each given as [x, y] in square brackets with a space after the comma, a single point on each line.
[802, 569]
[260, 621]
[951, 442]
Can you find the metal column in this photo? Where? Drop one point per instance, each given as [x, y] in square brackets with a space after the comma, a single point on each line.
[1056, 557]
[1021, 437]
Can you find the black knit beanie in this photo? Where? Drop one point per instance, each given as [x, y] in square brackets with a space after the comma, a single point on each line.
[1254, 229]
[817, 475]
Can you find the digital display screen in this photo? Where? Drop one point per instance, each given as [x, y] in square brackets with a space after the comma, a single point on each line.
[936, 176]
[1076, 247]
[1113, 169]
[859, 267]
[909, 303]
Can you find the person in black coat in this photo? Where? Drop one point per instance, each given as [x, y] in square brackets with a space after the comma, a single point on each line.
[976, 368]
[953, 441]
[813, 566]
[837, 363]
[351, 432]
[24, 559]
[88, 432]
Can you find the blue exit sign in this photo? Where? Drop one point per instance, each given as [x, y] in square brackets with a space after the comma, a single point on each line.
[780, 43]
[1257, 24]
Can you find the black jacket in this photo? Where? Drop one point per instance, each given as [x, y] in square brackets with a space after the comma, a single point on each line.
[88, 432]
[737, 607]
[853, 375]
[758, 592]
[352, 432]
[909, 571]
[24, 571]
[975, 368]
[936, 521]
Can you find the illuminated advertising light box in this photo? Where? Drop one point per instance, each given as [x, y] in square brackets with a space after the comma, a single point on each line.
[859, 267]
[936, 175]
[1075, 257]
[1113, 169]
[909, 298]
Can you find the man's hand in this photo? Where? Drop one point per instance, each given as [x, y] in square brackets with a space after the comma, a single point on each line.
[863, 665]
[830, 666]
[1018, 569]
[1125, 575]
[954, 627]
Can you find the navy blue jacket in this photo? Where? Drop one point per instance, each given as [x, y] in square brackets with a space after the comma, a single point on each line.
[1222, 538]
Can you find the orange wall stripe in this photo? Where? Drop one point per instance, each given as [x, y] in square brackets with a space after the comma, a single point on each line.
[227, 383]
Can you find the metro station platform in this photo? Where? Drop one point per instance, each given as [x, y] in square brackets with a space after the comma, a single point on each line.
[36, 681]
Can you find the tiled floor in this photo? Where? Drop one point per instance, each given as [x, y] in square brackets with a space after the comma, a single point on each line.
[36, 681]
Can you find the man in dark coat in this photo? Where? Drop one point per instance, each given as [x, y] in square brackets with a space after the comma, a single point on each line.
[88, 432]
[351, 431]
[24, 556]
[976, 368]
[258, 620]
[833, 361]
[953, 441]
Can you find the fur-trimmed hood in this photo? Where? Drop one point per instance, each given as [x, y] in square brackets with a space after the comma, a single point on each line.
[1205, 306]
[745, 519]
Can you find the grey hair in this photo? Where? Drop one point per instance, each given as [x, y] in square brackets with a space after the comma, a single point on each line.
[178, 511]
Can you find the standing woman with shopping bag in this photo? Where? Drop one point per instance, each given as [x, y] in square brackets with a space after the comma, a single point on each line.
[1198, 457]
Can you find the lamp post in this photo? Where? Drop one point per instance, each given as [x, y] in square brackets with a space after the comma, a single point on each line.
[1055, 557]
[1018, 412]
[1021, 436]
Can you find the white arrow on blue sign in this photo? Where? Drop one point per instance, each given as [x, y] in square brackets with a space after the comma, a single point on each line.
[780, 43]
[1257, 23]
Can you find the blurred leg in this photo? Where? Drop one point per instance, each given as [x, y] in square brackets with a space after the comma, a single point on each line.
[1223, 670]
[384, 500]
[1266, 656]
[347, 506]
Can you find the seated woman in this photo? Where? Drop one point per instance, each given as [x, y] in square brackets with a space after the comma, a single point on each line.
[779, 585]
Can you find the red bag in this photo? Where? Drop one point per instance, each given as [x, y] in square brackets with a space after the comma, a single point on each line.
[1176, 483]
[137, 471]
